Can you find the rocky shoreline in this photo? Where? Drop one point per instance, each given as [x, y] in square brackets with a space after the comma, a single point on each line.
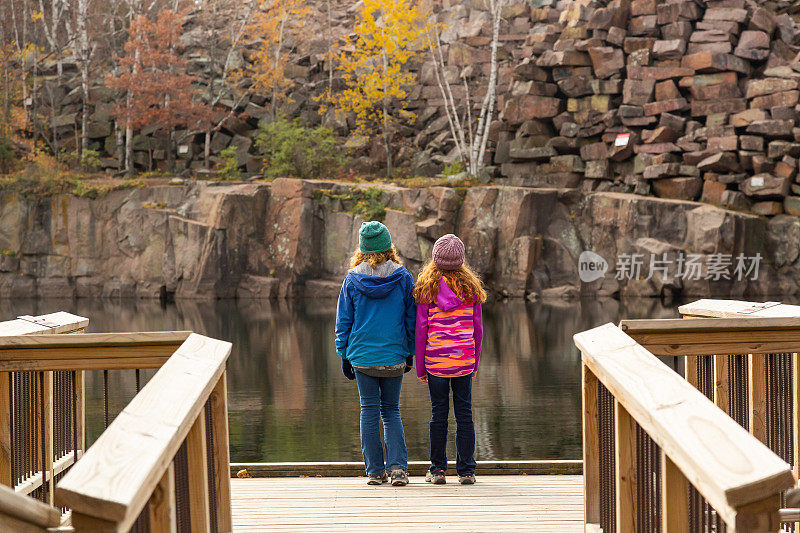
[293, 238]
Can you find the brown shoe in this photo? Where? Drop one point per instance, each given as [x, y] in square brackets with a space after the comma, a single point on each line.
[399, 477]
[378, 480]
[436, 477]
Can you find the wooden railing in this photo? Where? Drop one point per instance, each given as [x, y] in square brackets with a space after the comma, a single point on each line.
[45, 424]
[24, 515]
[753, 374]
[660, 456]
[164, 460]
[29, 458]
[42, 398]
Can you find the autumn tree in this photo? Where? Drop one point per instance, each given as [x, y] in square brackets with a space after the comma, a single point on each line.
[470, 133]
[374, 66]
[53, 16]
[273, 23]
[153, 74]
[11, 117]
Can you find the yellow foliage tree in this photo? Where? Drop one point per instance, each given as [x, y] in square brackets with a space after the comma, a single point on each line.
[387, 37]
[273, 22]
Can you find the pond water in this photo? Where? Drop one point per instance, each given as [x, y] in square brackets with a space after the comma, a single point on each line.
[288, 400]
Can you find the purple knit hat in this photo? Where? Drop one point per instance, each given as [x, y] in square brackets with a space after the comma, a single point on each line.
[448, 252]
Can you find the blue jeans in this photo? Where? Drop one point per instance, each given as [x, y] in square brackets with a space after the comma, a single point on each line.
[380, 398]
[465, 428]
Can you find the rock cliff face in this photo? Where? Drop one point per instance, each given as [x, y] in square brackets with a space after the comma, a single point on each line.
[294, 237]
[679, 99]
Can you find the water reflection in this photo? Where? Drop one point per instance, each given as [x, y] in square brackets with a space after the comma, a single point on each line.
[289, 401]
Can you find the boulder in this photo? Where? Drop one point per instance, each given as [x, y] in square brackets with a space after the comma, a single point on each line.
[783, 240]
[766, 186]
[681, 188]
[527, 107]
[606, 61]
[404, 235]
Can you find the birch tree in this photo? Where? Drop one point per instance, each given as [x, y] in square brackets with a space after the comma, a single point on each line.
[84, 58]
[228, 85]
[470, 139]
[53, 21]
[20, 16]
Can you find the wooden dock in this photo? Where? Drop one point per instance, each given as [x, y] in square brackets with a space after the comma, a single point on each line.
[163, 463]
[495, 503]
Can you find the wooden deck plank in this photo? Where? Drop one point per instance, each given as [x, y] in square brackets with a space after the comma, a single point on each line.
[496, 503]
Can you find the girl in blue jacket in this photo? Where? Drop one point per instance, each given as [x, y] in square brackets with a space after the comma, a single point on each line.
[375, 320]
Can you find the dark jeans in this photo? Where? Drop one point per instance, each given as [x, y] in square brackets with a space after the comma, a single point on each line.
[465, 428]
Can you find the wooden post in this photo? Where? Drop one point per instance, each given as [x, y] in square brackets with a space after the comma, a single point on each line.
[796, 415]
[47, 411]
[80, 408]
[84, 523]
[757, 378]
[674, 498]
[198, 476]
[690, 363]
[219, 416]
[796, 421]
[625, 449]
[591, 449]
[80, 405]
[162, 504]
[721, 385]
[5, 429]
[759, 517]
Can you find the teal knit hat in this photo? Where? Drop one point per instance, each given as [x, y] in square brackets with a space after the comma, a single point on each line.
[373, 237]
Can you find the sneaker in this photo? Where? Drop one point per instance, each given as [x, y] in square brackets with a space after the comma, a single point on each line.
[399, 477]
[468, 479]
[436, 477]
[378, 480]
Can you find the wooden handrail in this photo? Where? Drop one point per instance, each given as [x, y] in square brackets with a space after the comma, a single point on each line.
[734, 471]
[108, 488]
[706, 336]
[710, 324]
[712, 308]
[54, 323]
[89, 351]
[20, 513]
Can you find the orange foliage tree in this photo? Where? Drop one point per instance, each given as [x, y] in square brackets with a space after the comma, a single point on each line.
[153, 74]
[273, 23]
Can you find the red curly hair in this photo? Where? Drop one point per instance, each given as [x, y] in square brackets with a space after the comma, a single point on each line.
[463, 282]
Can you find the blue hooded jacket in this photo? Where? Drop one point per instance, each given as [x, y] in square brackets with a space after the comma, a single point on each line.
[375, 318]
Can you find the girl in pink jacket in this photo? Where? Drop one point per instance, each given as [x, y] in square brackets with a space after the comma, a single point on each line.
[449, 333]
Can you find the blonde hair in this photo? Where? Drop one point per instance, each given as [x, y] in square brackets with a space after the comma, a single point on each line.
[376, 258]
[463, 281]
